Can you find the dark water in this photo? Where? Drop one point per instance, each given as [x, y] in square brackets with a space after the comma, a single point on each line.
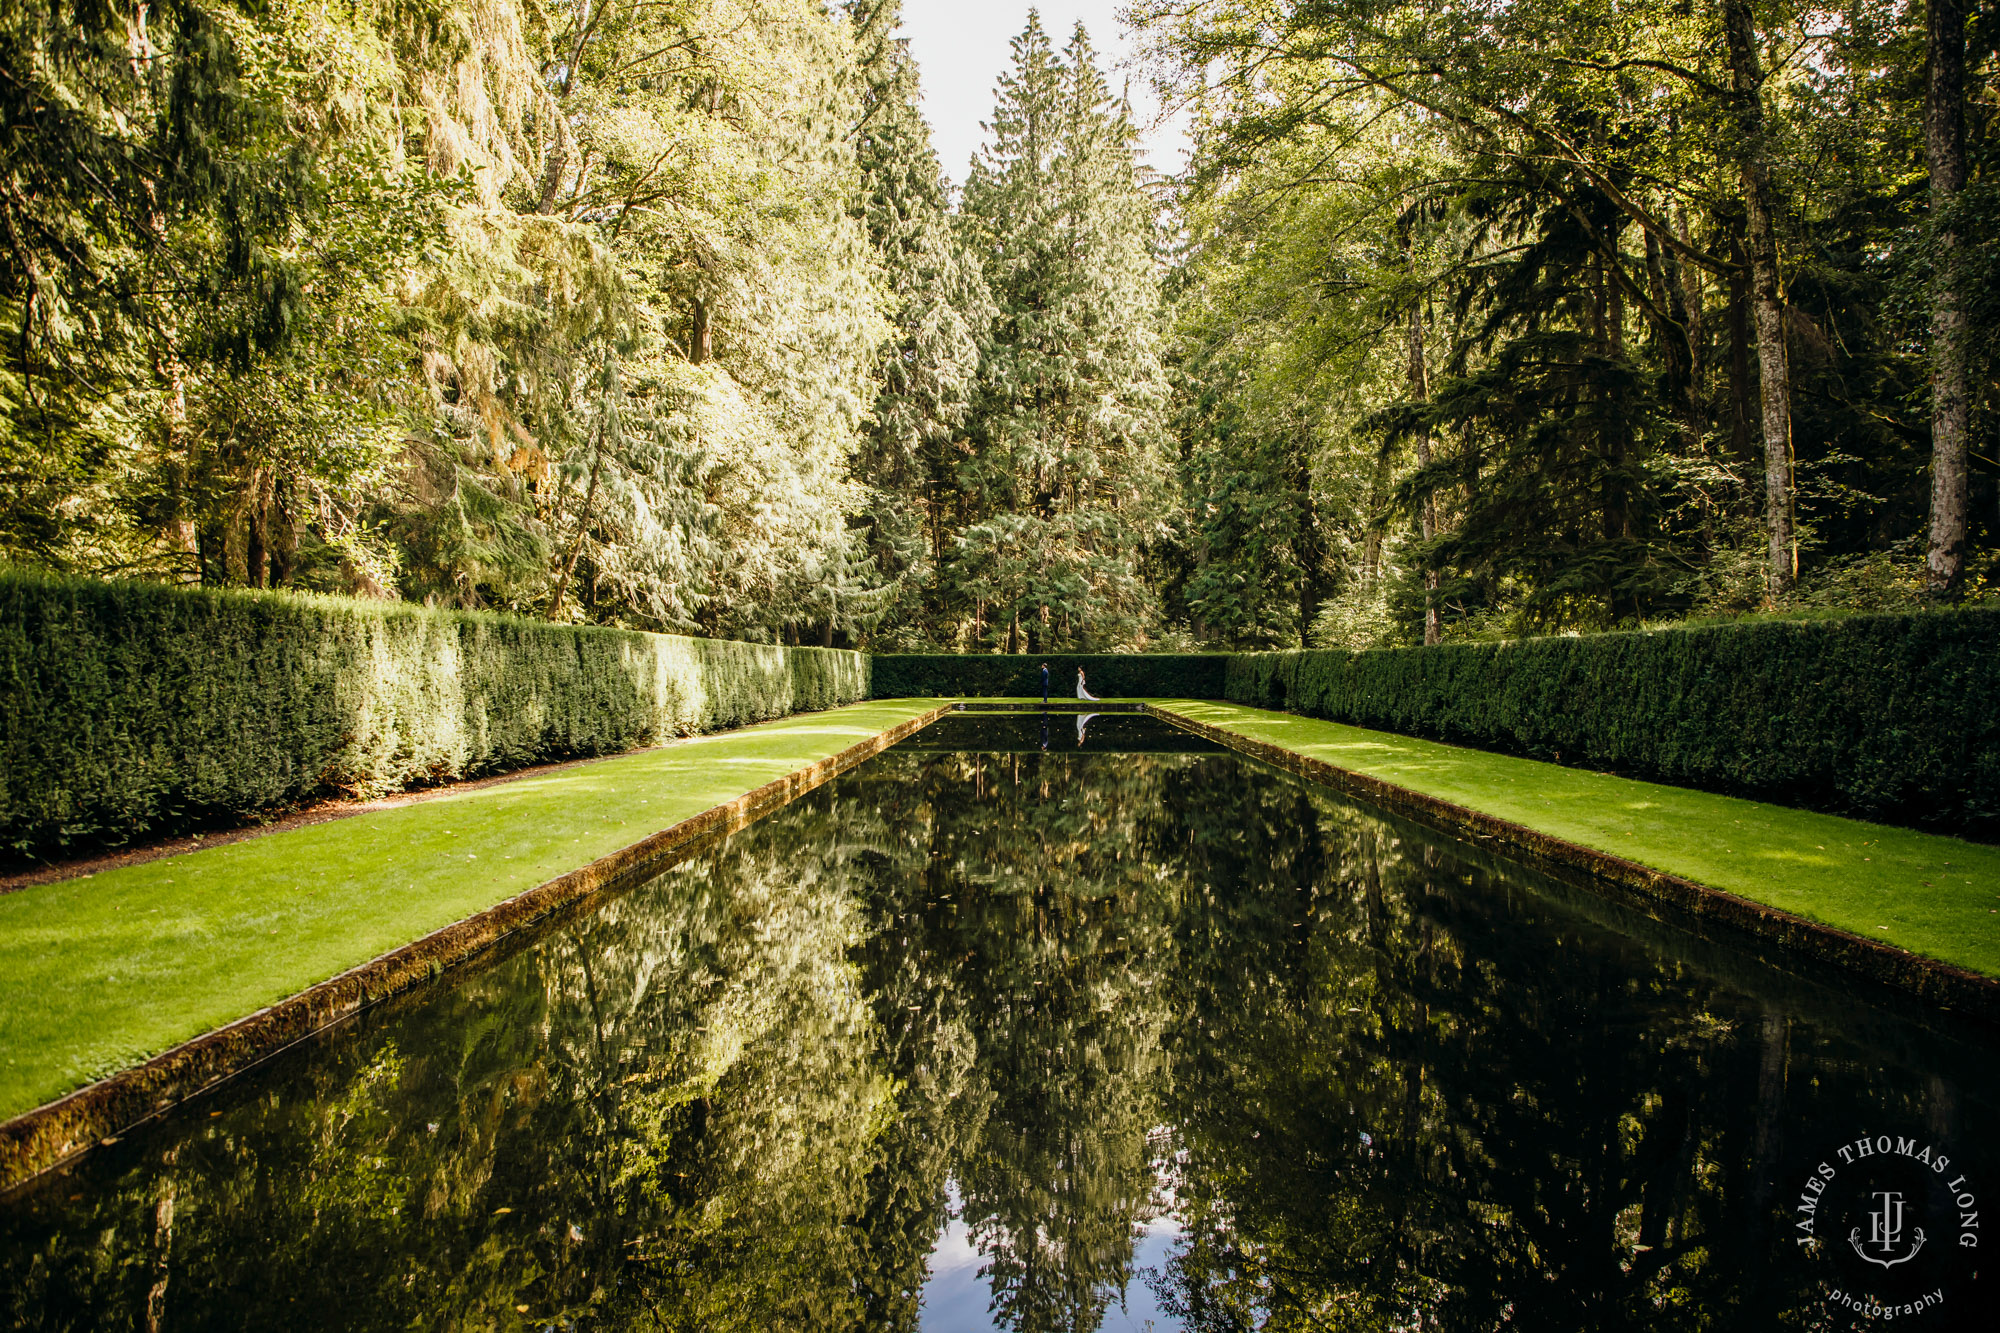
[983, 1036]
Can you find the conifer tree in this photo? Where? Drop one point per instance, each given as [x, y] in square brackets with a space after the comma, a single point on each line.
[1064, 481]
[684, 323]
[940, 306]
[564, 312]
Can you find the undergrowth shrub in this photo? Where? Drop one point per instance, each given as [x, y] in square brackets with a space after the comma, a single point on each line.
[1019, 675]
[134, 708]
[1892, 717]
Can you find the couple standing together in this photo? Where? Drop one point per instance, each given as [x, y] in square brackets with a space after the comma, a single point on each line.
[1081, 692]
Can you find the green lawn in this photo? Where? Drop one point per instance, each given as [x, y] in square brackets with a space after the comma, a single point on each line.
[98, 974]
[1931, 895]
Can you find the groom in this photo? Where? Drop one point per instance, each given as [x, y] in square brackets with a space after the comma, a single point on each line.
[1045, 684]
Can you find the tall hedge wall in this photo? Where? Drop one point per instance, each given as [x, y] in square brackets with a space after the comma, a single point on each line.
[1019, 675]
[1892, 717]
[131, 708]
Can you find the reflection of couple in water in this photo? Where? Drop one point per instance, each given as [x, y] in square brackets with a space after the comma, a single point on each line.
[1082, 721]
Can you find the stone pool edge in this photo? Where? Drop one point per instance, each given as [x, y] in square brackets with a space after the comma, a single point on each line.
[1932, 980]
[58, 1132]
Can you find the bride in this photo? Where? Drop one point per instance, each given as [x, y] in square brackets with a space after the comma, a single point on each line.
[1081, 692]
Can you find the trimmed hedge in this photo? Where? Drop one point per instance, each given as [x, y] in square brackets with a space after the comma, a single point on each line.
[1019, 675]
[1891, 717]
[134, 708]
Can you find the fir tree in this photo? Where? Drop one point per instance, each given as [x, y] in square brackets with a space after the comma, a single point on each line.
[684, 323]
[1064, 482]
[941, 305]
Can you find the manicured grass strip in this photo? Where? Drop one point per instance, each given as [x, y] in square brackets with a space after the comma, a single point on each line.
[101, 973]
[1932, 895]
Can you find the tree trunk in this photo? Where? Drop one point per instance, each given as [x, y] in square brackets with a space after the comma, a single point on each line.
[183, 530]
[255, 558]
[1420, 392]
[1663, 268]
[582, 527]
[284, 535]
[1309, 546]
[701, 338]
[1697, 335]
[1944, 147]
[212, 554]
[553, 169]
[701, 343]
[259, 532]
[1378, 496]
[1741, 447]
[1616, 494]
[162, 1255]
[1766, 295]
[1694, 400]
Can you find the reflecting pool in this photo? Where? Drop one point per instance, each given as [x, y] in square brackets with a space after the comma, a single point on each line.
[1028, 1025]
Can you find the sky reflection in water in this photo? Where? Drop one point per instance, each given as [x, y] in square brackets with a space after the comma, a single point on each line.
[1000, 1032]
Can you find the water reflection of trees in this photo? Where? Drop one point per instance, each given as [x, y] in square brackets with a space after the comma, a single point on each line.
[738, 1097]
[1045, 915]
[662, 1116]
[1394, 1112]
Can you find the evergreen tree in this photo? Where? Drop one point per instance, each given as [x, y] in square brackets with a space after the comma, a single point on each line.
[941, 306]
[1064, 486]
[565, 313]
[199, 207]
[658, 387]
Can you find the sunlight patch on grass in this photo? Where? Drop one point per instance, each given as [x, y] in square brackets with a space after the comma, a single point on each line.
[1795, 857]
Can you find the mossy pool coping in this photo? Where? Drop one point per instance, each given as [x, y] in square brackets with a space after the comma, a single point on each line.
[1426, 773]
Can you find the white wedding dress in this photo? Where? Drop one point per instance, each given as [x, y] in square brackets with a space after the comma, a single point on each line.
[1081, 692]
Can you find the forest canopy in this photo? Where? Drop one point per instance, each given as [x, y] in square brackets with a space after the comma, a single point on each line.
[1461, 322]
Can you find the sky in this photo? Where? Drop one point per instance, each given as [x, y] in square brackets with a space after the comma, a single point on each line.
[958, 1297]
[962, 48]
